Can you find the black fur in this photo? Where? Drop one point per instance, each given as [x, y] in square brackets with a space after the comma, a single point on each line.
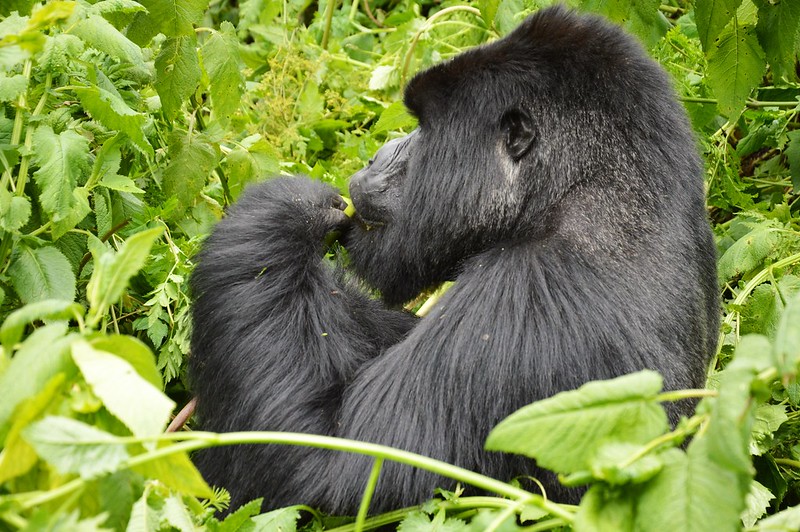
[555, 178]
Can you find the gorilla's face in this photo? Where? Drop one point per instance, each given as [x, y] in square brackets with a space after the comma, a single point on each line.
[375, 190]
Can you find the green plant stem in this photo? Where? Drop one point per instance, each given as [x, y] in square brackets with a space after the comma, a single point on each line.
[753, 104]
[326, 33]
[692, 424]
[368, 492]
[677, 395]
[787, 462]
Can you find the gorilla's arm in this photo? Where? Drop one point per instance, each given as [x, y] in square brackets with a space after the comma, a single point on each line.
[277, 332]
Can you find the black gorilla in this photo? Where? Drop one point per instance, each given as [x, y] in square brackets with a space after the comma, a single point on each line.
[554, 177]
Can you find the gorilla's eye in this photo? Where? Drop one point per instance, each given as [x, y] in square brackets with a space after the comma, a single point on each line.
[371, 160]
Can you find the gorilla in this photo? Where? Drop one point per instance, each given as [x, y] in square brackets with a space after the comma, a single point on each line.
[554, 178]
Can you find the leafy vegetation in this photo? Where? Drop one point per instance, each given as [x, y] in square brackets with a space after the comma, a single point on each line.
[127, 126]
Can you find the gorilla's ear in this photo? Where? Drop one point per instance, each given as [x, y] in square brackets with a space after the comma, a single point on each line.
[517, 126]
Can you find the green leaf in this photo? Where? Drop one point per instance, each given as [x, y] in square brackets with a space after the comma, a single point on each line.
[787, 339]
[221, 61]
[640, 17]
[177, 72]
[787, 520]
[711, 16]
[176, 17]
[735, 66]
[112, 271]
[79, 210]
[177, 472]
[690, 494]
[603, 510]
[132, 350]
[112, 111]
[75, 447]
[393, 118]
[110, 7]
[143, 408]
[793, 156]
[176, 514]
[14, 211]
[192, 159]
[63, 162]
[747, 253]
[238, 520]
[777, 27]
[18, 457]
[12, 86]
[762, 311]
[488, 10]
[43, 355]
[42, 273]
[620, 410]
[757, 504]
[611, 464]
[98, 33]
[47, 310]
[121, 183]
[284, 519]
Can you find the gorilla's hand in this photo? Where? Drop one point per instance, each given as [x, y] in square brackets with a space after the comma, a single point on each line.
[292, 208]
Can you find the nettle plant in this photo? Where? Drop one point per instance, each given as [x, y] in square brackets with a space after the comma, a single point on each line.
[127, 126]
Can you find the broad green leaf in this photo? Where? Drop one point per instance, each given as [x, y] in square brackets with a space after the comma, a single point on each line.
[777, 27]
[393, 118]
[121, 183]
[787, 520]
[735, 66]
[47, 310]
[176, 514]
[747, 253]
[757, 503]
[177, 72]
[768, 418]
[43, 355]
[112, 111]
[283, 519]
[221, 61]
[787, 339]
[611, 464]
[59, 50]
[177, 472]
[18, 457]
[112, 271]
[176, 17]
[134, 351]
[488, 10]
[762, 311]
[110, 7]
[144, 517]
[620, 410]
[142, 407]
[98, 33]
[41, 273]
[690, 494]
[238, 520]
[79, 210]
[12, 86]
[192, 160]
[14, 211]
[63, 162]
[75, 447]
[711, 16]
[604, 510]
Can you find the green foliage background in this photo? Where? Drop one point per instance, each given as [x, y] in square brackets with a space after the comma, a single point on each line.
[126, 128]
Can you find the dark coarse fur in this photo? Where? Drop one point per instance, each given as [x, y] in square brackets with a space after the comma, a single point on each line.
[555, 178]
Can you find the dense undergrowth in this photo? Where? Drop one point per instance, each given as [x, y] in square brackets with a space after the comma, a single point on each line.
[127, 126]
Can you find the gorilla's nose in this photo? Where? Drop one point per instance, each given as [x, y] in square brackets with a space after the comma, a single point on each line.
[368, 193]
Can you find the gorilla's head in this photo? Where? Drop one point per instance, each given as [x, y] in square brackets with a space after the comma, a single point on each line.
[508, 133]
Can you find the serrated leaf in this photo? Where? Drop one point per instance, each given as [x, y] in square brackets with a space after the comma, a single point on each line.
[132, 350]
[78, 211]
[143, 408]
[622, 410]
[284, 519]
[640, 17]
[222, 63]
[192, 160]
[143, 516]
[787, 520]
[121, 183]
[793, 156]
[176, 514]
[177, 72]
[747, 253]
[762, 311]
[603, 510]
[75, 447]
[112, 111]
[393, 118]
[690, 494]
[101, 35]
[14, 211]
[41, 273]
[757, 503]
[12, 86]
[777, 28]
[63, 161]
[736, 64]
[110, 7]
[176, 17]
[236, 521]
[711, 16]
[112, 271]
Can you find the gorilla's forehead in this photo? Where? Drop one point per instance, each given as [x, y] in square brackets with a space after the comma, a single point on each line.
[553, 47]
